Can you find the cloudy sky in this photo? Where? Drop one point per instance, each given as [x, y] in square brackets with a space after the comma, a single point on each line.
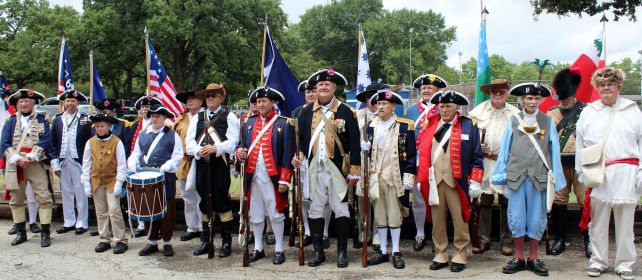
[512, 31]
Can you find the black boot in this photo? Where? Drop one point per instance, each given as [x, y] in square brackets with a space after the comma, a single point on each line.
[587, 244]
[342, 226]
[205, 240]
[316, 233]
[21, 234]
[226, 235]
[45, 240]
[559, 245]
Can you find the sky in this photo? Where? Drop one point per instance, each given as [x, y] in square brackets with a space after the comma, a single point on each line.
[511, 29]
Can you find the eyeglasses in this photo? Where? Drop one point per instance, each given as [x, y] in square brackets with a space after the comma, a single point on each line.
[606, 85]
[498, 91]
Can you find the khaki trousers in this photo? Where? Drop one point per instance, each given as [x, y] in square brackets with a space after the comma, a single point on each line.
[36, 175]
[108, 213]
[387, 208]
[449, 202]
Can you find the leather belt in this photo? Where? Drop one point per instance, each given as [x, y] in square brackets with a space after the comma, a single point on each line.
[490, 156]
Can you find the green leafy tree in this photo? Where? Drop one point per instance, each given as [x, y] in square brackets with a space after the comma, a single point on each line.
[620, 8]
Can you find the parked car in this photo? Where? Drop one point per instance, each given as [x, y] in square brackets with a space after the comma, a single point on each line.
[128, 111]
[51, 106]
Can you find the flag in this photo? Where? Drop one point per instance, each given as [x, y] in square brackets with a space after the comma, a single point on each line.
[585, 65]
[483, 66]
[363, 68]
[65, 78]
[97, 89]
[160, 84]
[278, 76]
[4, 110]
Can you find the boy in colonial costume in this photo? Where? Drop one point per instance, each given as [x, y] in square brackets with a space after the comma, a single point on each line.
[420, 113]
[70, 132]
[526, 171]
[159, 147]
[268, 146]
[26, 144]
[450, 170]
[104, 169]
[109, 106]
[393, 168]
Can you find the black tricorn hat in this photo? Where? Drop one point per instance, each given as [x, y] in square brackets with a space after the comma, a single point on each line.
[146, 100]
[110, 104]
[430, 79]
[160, 109]
[103, 118]
[25, 93]
[530, 88]
[370, 89]
[449, 97]
[72, 94]
[565, 83]
[386, 95]
[327, 75]
[270, 93]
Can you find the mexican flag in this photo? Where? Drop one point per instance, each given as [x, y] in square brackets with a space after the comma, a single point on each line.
[483, 66]
[585, 65]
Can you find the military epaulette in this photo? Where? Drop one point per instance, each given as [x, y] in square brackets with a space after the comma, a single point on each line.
[474, 121]
[291, 121]
[409, 122]
[41, 115]
[127, 123]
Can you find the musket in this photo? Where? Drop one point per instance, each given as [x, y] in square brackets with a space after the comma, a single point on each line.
[292, 207]
[474, 219]
[548, 239]
[366, 199]
[299, 190]
[244, 205]
[210, 200]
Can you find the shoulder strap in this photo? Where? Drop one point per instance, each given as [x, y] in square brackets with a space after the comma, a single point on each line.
[260, 134]
[441, 145]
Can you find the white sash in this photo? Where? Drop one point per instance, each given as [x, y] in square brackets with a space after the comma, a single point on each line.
[258, 136]
[425, 112]
[154, 143]
[317, 131]
[433, 196]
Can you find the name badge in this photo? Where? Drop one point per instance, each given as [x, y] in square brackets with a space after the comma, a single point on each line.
[464, 137]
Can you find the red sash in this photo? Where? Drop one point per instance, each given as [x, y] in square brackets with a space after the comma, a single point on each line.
[21, 175]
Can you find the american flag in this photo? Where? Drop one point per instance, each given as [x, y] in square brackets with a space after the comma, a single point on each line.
[160, 84]
[65, 78]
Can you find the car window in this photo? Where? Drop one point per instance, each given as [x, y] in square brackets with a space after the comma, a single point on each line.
[50, 101]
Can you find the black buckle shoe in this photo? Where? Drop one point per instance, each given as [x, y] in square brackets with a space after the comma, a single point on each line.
[45, 238]
[307, 241]
[326, 242]
[538, 267]
[514, 266]
[357, 245]
[342, 258]
[190, 235]
[94, 233]
[120, 248]
[270, 239]
[457, 267]
[13, 230]
[397, 260]
[65, 230]
[168, 250]
[34, 228]
[21, 237]
[202, 250]
[419, 244]
[80, 231]
[250, 239]
[317, 259]
[378, 259]
[257, 255]
[559, 245]
[279, 258]
[139, 233]
[437, 265]
[148, 250]
[226, 250]
[102, 247]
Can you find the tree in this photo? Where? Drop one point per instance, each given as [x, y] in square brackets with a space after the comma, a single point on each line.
[632, 72]
[591, 7]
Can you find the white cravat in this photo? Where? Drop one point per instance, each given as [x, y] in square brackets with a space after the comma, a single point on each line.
[24, 121]
[382, 131]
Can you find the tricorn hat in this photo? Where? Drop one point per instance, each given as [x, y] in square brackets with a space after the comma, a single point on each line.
[109, 104]
[430, 79]
[25, 93]
[103, 118]
[146, 100]
[160, 109]
[270, 93]
[328, 74]
[370, 89]
[386, 95]
[450, 96]
[530, 88]
[72, 94]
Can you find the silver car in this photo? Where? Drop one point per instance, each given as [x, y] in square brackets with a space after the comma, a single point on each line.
[51, 106]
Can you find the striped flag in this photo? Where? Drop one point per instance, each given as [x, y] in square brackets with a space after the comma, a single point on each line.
[65, 78]
[160, 84]
[483, 65]
[363, 68]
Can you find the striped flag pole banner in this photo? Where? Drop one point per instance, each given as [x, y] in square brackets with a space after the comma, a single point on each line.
[159, 84]
[483, 63]
[363, 68]
[65, 77]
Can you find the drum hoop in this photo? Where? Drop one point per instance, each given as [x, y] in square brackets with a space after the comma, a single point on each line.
[159, 178]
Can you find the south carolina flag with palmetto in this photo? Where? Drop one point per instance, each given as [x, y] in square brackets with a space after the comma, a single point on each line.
[585, 65]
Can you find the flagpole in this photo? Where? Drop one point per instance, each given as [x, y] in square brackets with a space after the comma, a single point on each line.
[604, 20]
[147, 59]
[91, 82]
[265, 28]
[60, 67]
[359, 48]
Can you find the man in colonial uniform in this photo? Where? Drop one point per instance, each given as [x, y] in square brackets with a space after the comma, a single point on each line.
[310, 92]
[210, 139]
[524, 171]
[159, 147]
[393, 168]
[492, 117]
[267, 144]
[329, 139]
[70, 132]
[190, 197]
[109, 106]
[364, 116]
[450, 166]
[26, 143]
[104, 169]
[428, 85]
[565, 116]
